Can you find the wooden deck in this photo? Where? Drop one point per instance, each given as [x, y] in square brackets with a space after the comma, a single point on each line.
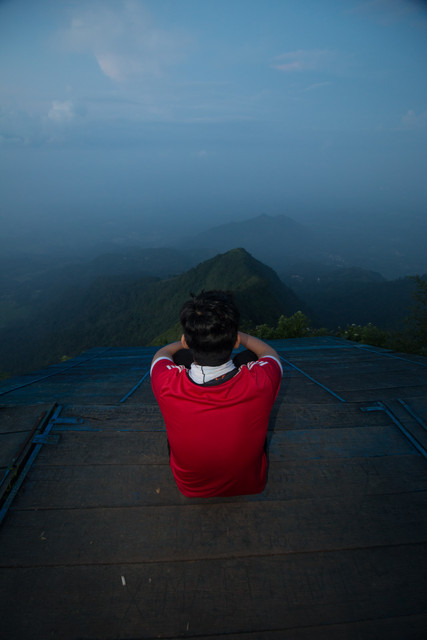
[98, 543]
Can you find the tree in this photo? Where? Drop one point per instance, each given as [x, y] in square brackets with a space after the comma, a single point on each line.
[295, 326]
[417, 321]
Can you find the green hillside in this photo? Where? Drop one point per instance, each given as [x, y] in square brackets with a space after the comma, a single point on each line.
[123, 310]
[259, 293]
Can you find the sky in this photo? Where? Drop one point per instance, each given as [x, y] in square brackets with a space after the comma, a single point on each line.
[143, 119]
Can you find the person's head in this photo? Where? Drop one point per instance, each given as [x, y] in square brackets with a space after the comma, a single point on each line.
[210, 322]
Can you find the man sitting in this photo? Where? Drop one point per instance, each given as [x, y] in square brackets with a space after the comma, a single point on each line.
[216, 410]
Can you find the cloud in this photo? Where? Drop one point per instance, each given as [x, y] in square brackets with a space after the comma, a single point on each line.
[123, 39]
[304, 60]
[411, 120]
[18, 127]
[117, 67]
[317, 85]
[62, 111]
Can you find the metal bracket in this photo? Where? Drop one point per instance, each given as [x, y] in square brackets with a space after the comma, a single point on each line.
[375, 407]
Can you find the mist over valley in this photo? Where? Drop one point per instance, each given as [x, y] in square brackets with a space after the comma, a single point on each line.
[140, 140]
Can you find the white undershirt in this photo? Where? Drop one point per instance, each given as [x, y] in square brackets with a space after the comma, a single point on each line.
[200, 374]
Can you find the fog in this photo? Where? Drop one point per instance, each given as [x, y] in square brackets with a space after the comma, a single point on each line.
[144, 123]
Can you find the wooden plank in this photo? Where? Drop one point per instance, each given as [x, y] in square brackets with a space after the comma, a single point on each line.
[364, 361]
[117, 485]
[144, 417]
[346, 385]
[151, 447]
[284, 415]
[227, 596]
[143, 395]
[15, 419]
[83, 387]
[338, 443]
[360, 369]
[419, 405]
[373, 395]
[215, 530]
[10, 447]
[313, 416]
[387, 380]
[415, 427]
[106, 448]
[16, 426]
[296, 389]
[403, 628]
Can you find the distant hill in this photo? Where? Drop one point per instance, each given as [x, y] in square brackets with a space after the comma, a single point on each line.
[342, 296]
[123, 310]
[276, 240]
[391, 245]
[29, 282]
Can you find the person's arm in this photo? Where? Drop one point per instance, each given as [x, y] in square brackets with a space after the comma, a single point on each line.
[256, 345]
[168, 351]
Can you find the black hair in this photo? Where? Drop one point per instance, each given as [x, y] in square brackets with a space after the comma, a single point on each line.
[210, 322]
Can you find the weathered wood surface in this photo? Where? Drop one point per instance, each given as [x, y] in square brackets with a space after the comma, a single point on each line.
[197, 532]
[289, 415]
[220, 596]
[105, 376]
[419, 405]
[359, 375]
[100, 376]
[412, 413]
[100, 544]
[150, 447]
[402, 628]
[16, 425]
[121, 484]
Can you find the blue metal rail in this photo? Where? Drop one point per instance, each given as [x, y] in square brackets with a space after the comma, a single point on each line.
[381, 406]
[138, 384]
[52, 374]
[410, 410]
[37, 442]
[389, 355]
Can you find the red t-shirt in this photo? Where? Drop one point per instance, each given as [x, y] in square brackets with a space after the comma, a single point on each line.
[217, 433]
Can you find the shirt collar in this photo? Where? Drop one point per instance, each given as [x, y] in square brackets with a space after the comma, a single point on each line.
[201, 374]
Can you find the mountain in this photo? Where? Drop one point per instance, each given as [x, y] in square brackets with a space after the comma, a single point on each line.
[340, 296]
[29, 282]
[124, 310]
[257, 290]
[276, 240]
[393, 244]
[389, 244]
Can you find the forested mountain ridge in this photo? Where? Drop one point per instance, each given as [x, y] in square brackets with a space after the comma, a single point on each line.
[49, 310]
[30, 283]
[123, 310]
[257, 290]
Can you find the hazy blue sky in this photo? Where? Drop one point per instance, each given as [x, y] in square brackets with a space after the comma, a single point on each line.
[159, 113]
